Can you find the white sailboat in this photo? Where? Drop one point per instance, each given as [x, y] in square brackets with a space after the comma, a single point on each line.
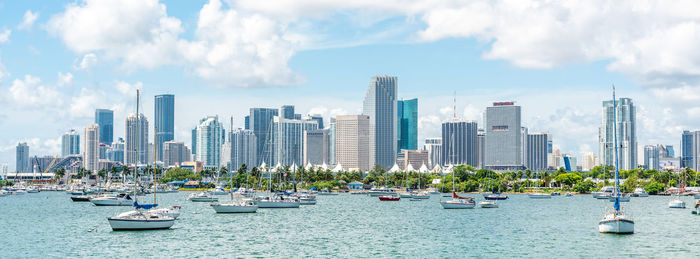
[615, 221]
[239, 204]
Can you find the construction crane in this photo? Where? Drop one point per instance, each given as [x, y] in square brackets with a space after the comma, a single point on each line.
[46, 170]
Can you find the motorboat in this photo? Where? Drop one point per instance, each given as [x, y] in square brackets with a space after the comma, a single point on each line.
[4, 193]
[236, 206]
[202, 197]
[405, 194]
[494, 197]
[424, 195]
[697, 207]
[639, 192]
[140, 220]
[616, 222]
[488, 204]
[606, 190]
[376, 192]
[389, 198]
[172, 211]
[81, 198]
[555, 194]
[327, 192]
[218, 191]
[568, 194]
[622, 198]
[539, 195]
[245, 192]
[278, 201]
[122, 199]
[676, 204]
[307, 199]
[32, 189]
[19, 192]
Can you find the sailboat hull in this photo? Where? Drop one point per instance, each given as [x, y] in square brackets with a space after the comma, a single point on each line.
[111, 202]
[278, 204]
[141, 224]
[456, 205]
[676, 204]
[616, 226]
[234, 208]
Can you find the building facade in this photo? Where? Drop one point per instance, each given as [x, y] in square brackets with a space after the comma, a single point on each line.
[244, 146]
[22, 164]
[537, 151]
[70, 143]
[92, 142]
[407, 113]
[209, 141]
[104, 118]
[651, 157]
[175, 153]
[116, 153]
[434, 148]
[288, 140]
[316, 147]
[380, 105]
[460, 143]
[353, 142]
[164, 121]
[690, 150]
[260, 122]
[136, 145]
[626, 134]
[331, 141]
[415, 158]
[504, 137]
[589, 161]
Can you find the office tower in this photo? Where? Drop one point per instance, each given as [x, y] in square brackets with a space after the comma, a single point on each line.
[244, 146]
[319, 119]
[568, 162]
[331, 142]
[504, 145]
[105, 119]
[537, 151]
[287, 112]
[690, 150]
[164, 121]
[651, 157]
[481, 146]
[102, 150]
[434, 148]
[523, 139]
[22, 164]
[352, 142]
[589, 161]
[415, 158]
[287, 140]
[70, 143]
[174, 153]
[151, 151]
[247, 122]
[92, 142]
[380, 106]
[460, 143]
[407, 113]
[550, 149]
[316, 147]
[136, 146]
[193, 142]
[669, 151]
[209, 141]
[626, 134]
[116, 153]
[260, 122]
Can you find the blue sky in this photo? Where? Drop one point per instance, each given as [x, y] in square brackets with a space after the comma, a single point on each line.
[61, 60]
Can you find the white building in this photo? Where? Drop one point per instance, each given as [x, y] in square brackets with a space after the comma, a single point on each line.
[136, 146]
[626, 134]
[70, 143]
[380, 105]
[353, 142]
[209, 140]
[92, 141]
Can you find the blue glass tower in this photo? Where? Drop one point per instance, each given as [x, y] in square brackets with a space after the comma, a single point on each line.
[407, 124]
[104, 118]
[164, 121]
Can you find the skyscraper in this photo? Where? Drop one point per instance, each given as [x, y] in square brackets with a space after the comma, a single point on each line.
[70, 143]
[22, 164]
[352, 142]
[287, 112]
[243, 148]
[174, 153]
[92, 142]
[164, 121]
[332, 133]
[626, 134]
[481, 140]
[408, 124]
[116, 153]
[104, 118]
[537, 151]
[589, 161]
[319, 119]
[287, 140]
[260, 122]
[651, 157]
[209, 141]
[136, 149]
[504, 139]
[434, 148]
[380, 106]
[316, 147]
[690, 150]
[460, 143]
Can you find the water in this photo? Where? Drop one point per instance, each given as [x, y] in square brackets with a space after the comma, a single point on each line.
[49, 224]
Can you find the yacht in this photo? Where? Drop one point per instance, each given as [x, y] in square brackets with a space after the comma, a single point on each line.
[639, 192]
[495, 196]
[458, 203]
[81, 198]
[202, 197]
[676, 204]
[122, 199]
[4, 193]
[606, 191]
[218, 191]
[621, 198]
[32, 189]
[539, 195]
[376, 192]
[307, 199]
[140, 220]
[422, 195]
[236, 206]
[327, 192]
[278, 201]
[488, 204]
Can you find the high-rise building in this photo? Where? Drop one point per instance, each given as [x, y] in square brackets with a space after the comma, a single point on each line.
[669, 151]
[690, 150]
[319, 119]
[651, 157]
[209, 141]
[380, 105]
[174, 153]
[247, 122]
[92, 142]
[287, 112]
[504, 138]
[331, 142]
[105, 119]
[193, 143]
[102, 150]
[537, 151]
[164, 121]
[460, 144]
[22, 164]
[288, 140]
[316, 147]
[70, 143]
[481, 140]
[415, 158]
[136, 149]
[243, 149]
[407, 113]
[434, 148]
[626, 134]
[589, 161]
[352, 142]
[568, 162]
[116, 153]
[260, 122]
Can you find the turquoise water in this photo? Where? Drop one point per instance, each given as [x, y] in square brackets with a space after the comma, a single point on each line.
[48, 224]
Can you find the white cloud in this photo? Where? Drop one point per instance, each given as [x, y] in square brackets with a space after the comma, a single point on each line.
[3, 71]
[89, 60]
[5, 35]
[28, 20]
[64, 79]
[30, 92]
[128, 89]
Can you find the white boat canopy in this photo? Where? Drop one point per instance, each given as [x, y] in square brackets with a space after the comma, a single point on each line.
[423, 168]
[308, 167]
[338, 168]
[324, 166]
[410, 168]
[436, 169]
[395, 169]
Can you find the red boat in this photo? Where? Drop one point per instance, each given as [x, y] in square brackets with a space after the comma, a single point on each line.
[389, 198]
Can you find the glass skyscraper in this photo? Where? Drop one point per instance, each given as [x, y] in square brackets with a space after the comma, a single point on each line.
[164, 121]
[408, 124]
[690, 150]
[209, 141]
[626, 134]
[260, 122]
[504, 137]
[70, 143]
[380, 106]
[287, 140]
[136, 146]
[104, 118]
[22, 164]
[460, 145]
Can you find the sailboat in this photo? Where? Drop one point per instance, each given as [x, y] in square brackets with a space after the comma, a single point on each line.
[677, 203]
[487, 204]
[457, 202]
[615, 221]
[419, 195]
[142, 217]
[239, 204]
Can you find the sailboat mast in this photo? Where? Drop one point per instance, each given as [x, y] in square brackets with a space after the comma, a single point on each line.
[138, 142]
[617, 162]
[155, 165]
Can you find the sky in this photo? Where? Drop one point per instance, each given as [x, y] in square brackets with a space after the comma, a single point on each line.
[59, 61]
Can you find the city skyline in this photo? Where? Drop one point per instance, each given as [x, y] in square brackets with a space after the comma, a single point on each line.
[560, 91]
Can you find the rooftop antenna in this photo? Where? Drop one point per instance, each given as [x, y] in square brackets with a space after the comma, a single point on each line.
[454, 107]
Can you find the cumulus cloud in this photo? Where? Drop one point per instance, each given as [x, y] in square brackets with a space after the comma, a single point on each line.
[64, 79]
[28, 20]
[30, 92]
[5, 35]
[89, 60]
[3, 71]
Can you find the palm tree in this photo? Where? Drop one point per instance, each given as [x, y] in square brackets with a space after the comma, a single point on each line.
[59, 172]
[114, 171]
